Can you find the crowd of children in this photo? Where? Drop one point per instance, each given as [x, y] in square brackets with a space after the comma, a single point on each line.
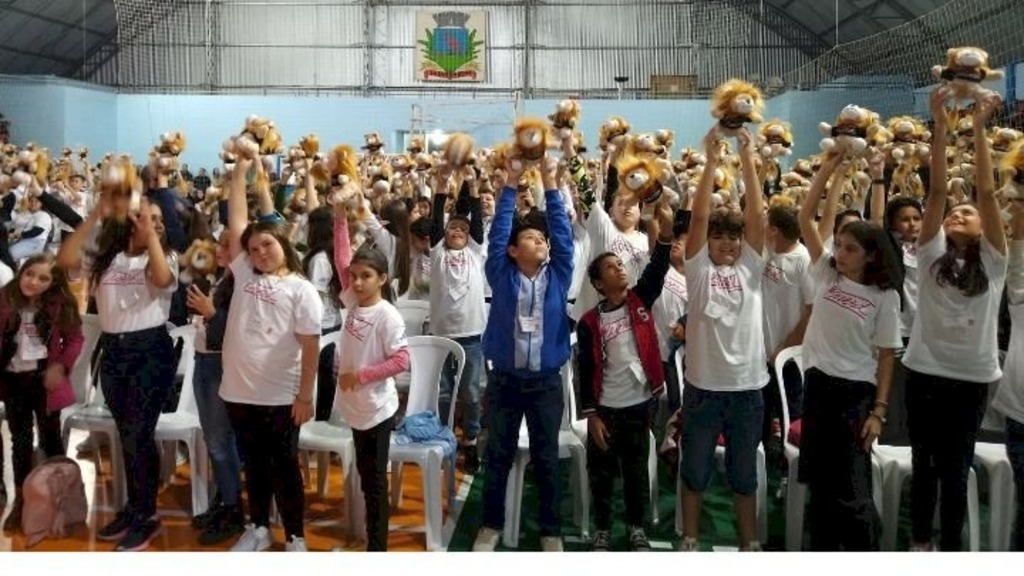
[517, 253]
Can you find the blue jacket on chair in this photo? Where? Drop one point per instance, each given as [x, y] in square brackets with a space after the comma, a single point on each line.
[504, 278]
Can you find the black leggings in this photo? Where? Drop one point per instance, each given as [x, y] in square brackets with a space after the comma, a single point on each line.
[372, 449]
[270, 439]
[326, 383]
[943, 418]
[24, 398]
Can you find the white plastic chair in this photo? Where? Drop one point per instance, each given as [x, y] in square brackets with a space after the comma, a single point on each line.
[91, 414]
[896, 468]
[571, 444]
[182, 425]
[333, 436]
[1002, 493]
[427, 355]
[416, 314]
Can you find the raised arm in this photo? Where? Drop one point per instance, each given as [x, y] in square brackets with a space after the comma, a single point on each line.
[876, 169]
[238, 211]
[342, 244]
[935, 208]
[1015, 261]
[501, 226]
[437, 212]
[164, 197]
[559, 223]
[808, 229]
[72, 247]
[753, 213]
[157, 269]
[700, 211]
[984, 184]
[828, 213]
[476, 216]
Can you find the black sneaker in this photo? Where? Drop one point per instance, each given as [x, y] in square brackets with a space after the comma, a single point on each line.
[117, 527]
[139, 536]
[638, 541]
[602, 541]
[208, 518]
[229, 523]
[471, 463]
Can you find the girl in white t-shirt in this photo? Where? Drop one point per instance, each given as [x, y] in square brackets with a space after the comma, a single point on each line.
[371, 352]
[390, 234]
[33, 230]
[953, 355]
[725, 358]
[848, 356]
[40, 340]
[270, 355]
[903, 220]
[1009, 397]
[133, 277]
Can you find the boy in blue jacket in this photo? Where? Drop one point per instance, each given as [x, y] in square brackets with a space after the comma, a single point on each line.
[529, 270]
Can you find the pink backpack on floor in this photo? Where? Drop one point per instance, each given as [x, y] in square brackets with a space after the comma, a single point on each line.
[54, 500]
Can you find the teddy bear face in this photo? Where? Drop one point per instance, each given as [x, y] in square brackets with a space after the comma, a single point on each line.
[853, 115]
[647, 144]
[967, 59]
[531, 139]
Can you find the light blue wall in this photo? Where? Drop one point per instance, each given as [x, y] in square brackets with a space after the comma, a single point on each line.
[36, 113]
[55, 113]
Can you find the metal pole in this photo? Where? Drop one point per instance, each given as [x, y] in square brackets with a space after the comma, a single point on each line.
[837, 23]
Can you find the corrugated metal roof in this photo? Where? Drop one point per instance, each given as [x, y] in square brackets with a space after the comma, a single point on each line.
[52, 37]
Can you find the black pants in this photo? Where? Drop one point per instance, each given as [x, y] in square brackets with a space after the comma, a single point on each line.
[24, 398]
[270, 439]
[629, 439]
[834, 464]
[326, 383]
[793, 381]
[137, 373]
[1015, 451]
[943, 418]
[372, 449]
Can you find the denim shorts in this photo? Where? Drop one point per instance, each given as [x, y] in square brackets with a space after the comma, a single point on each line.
[707, 415]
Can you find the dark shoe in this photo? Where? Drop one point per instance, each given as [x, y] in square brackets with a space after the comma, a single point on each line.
[139, 536]
[601, 541]
[118, 527]
[13, 522]
[208, 518]
[638, 541]
[471, 463]
[228, 524]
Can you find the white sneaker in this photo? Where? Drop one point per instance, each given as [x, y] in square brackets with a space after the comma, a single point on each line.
[253, 540]
[296, 545]
[486, 540]
[551, 544]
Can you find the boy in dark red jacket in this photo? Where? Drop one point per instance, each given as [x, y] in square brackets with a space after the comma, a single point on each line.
[620, 376]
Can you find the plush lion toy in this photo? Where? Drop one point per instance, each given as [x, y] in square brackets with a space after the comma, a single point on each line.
[32, 162]
[612, 132]
[531, 140]
[849, 135]
[118, 178]
[565, 118]
[909, 138]
[198, 265]
[259, 137]
[458, 150]
[665, 138]
[1002, 140]
[966, 68]
[735, 103]
[166, 152]
[1012, 170]
[775, 139]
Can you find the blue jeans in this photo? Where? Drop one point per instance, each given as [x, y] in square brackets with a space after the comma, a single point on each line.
[509, 399]
[217, 430]
[137, 373]
[469, 387]
[708, 414]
